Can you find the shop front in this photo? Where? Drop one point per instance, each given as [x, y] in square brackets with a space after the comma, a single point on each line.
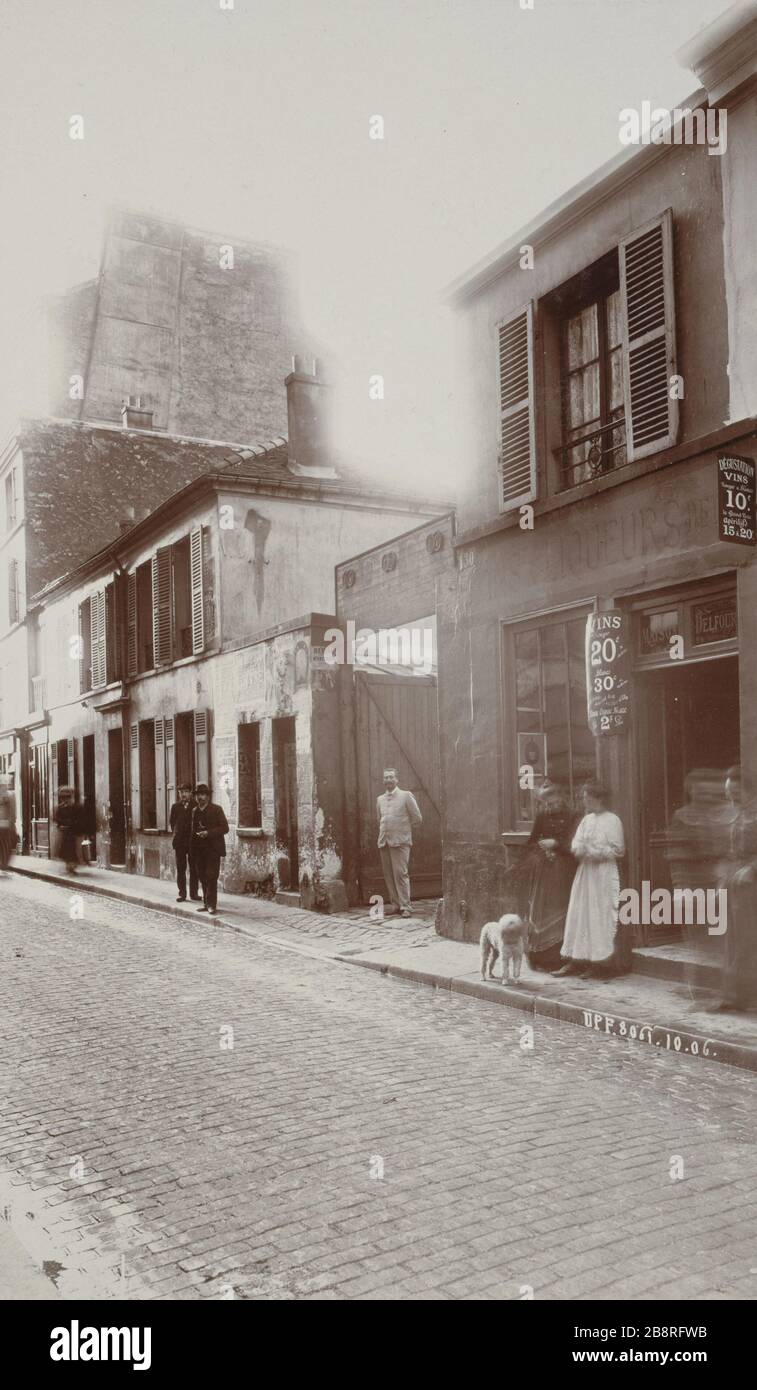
[516, 687]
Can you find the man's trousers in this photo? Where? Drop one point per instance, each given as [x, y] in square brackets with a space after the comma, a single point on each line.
[182, 858]
[394, 862]
[208, 868]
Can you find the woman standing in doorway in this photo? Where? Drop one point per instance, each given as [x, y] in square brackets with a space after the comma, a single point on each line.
[551, 877]
[592, 919]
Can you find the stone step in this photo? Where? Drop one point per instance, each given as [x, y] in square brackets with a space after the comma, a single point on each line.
[685, 964]
[288, 899]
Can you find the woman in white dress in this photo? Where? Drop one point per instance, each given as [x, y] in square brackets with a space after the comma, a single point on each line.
[592, 918]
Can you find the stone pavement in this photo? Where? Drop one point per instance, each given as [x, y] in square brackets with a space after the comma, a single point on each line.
[193, 1113]
[326, 935]
[411, 949]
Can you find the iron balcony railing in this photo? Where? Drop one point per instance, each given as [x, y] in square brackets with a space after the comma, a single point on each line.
[596, 452]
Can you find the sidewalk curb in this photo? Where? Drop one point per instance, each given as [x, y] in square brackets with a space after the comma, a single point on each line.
[710, 1047]
[79, 884]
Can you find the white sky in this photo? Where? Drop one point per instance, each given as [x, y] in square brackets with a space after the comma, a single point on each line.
[254, 122]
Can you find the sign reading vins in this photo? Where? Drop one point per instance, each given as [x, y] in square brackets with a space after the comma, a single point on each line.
[737, 518]
[608, 671]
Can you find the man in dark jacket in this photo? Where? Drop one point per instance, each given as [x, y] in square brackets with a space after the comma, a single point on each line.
[180, 821]
[209, 825]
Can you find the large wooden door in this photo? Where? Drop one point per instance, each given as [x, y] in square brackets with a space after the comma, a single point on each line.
[397, 726]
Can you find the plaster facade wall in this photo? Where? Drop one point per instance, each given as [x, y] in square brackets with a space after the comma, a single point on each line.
[277, 560]
[740, 200]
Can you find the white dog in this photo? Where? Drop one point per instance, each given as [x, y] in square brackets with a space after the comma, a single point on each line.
[506, 939]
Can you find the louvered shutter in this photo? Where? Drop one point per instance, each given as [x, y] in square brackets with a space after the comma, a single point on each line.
[649, 353]
[134, 769]
[162, 626]
[110, 642]
[131, 625]
[517, 449]
[97, 637]
[71, 762]
[54, 780]
[160, 775]
[13, 603]
[198, 601]
[83, 673]
[202, 757]
[168, 728]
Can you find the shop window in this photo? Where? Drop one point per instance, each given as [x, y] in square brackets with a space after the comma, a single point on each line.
[248, 755]
[547, 710]
[147, 784]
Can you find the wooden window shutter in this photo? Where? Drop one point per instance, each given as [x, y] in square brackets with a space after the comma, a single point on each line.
[112, 663]
[71, 761]
[54, 781]
[202, 756]
[134, 768]
[170, 741]
[13, 604]
[131, 624]
[97, 630]
[83, 673]
[162, 624]
[160, 775]
[649, 349]
[198, 601]
[517, 450]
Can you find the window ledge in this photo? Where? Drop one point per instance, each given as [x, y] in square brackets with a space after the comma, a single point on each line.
[152, 830]
[248, 832]
[515, 837]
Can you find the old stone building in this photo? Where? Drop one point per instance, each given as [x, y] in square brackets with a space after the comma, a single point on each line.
[189, 647]
[199, 327]
[609, 352]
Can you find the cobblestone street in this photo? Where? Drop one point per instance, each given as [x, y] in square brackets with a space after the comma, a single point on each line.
[187, 1112]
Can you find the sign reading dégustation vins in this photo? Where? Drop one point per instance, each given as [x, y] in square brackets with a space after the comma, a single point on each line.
[737, 518]
[608, 671]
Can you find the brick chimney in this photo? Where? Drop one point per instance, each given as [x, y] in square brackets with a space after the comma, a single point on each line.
[134, 416]
[127, 521]
[307, 410]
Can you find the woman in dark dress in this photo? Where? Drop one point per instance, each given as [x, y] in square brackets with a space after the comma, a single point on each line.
[553, 869]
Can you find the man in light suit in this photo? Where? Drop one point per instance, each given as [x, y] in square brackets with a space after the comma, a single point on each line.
[397, 814]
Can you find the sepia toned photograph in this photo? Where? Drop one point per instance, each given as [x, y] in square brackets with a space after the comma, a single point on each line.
[378, 656]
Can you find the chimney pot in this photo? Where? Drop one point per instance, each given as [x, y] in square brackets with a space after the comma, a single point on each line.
[309, 447]
[134, 415]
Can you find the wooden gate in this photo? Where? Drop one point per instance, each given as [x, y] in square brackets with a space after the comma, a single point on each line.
[397, 726]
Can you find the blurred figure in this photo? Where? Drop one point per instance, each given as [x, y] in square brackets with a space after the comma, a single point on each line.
[699, 842]
[591, 924]
[8, 835]
[739, 980]
[552, 870]
[68, 821]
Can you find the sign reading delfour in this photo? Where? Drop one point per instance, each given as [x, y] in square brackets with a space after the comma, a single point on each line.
[608, 671]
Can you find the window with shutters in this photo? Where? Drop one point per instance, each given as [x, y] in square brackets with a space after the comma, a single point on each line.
[248, 779]
[185, 749]
[147, 781]
[609, 339]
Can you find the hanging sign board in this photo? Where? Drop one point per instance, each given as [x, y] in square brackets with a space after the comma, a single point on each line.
[737, 519]
[608, 671]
